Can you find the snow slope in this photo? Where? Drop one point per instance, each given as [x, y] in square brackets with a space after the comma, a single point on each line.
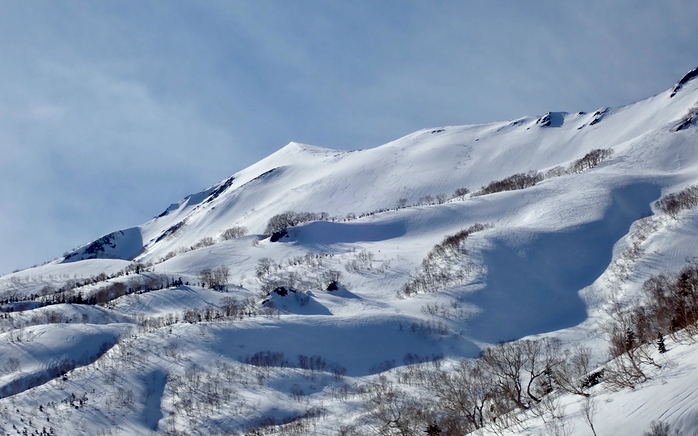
[546, 262]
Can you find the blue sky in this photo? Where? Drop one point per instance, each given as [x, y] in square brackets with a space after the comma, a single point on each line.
[110, 111]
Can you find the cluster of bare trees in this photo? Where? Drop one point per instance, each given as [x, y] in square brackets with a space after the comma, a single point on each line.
[685, 199]
[670, 309]
[443, 265]
[290, 219]
[363, 261]
[234, 233]
[462, 398]
[512, 183]
[526, 180]
[590, 160]
[216, 278]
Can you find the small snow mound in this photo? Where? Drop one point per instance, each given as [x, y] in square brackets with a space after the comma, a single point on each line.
[685, 79]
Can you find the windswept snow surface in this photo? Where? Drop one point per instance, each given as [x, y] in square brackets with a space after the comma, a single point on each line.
[546, 262]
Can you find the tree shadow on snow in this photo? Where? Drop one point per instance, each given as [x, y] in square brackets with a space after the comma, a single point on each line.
[152, 413]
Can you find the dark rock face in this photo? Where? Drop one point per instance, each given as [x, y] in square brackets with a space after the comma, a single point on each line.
[685, 79]
[332, 287]
[598, 116]
[97, 247]
[220, 190]
[124, 244]
[544, 120]
[552, 119]
[278, 235]
[171, 231]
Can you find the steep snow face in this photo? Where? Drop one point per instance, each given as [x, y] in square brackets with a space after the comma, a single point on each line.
[122, 244]
[543, 259]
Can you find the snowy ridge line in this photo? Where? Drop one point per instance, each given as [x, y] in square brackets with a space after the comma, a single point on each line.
[237, 334]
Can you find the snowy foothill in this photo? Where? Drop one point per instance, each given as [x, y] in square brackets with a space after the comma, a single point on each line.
[328, 289]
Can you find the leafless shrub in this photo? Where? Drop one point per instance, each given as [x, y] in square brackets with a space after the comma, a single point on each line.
[363, 262]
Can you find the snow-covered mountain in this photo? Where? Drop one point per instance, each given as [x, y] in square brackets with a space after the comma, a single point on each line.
[196, 322]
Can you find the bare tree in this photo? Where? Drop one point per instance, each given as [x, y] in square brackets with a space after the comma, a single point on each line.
[570, 372]
[588, 412]
[392, 411]
[460, 193]
[462, 392]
